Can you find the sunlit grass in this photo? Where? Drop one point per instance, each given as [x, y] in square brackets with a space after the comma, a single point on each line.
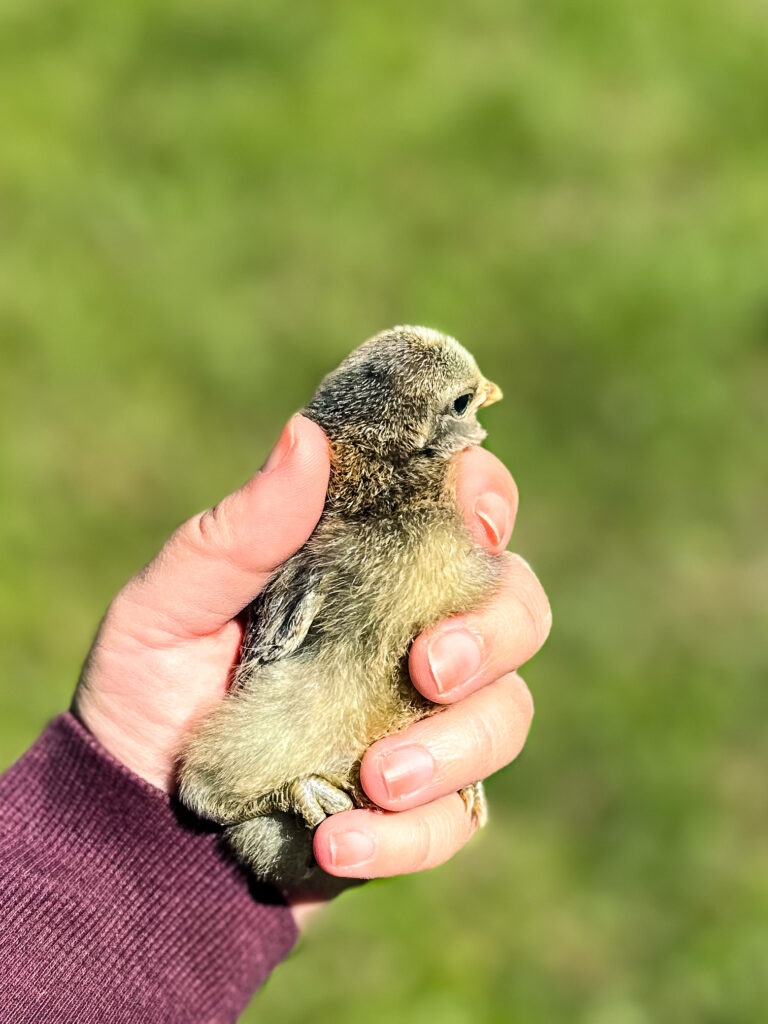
[202, 210]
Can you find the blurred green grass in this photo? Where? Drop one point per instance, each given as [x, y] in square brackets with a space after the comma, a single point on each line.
[203, 209]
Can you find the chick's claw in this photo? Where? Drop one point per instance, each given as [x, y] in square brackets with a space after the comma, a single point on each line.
[476, 803]
[313, 798]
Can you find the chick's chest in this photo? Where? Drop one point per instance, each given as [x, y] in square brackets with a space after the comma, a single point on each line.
[406, 569]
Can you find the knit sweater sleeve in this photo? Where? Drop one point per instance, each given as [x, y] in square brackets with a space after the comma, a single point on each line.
[113, 907]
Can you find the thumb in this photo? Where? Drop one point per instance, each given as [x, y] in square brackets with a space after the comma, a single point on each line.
[218, 561]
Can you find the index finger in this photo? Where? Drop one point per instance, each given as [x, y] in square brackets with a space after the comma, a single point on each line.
[487, 495]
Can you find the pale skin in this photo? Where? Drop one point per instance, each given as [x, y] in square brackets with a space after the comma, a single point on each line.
[170, 638]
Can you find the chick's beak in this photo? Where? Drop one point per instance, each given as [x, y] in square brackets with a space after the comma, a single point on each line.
[493, 394]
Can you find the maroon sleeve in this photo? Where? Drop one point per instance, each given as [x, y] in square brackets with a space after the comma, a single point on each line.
[112, 907]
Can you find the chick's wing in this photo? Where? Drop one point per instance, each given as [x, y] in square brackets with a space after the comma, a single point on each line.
[281, 616]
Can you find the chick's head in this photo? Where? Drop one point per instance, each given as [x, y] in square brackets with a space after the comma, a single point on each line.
[408, 392]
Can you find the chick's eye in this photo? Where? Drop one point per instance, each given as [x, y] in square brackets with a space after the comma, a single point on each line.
[461, 403]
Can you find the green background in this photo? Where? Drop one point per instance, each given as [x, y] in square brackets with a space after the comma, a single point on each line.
[204, 207]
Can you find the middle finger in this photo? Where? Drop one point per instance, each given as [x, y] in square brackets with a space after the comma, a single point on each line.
[465, 652]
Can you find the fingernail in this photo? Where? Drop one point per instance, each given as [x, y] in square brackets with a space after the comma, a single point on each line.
[284, 445]
[351, 849]
[406, 770]
[495, 516]
[454, 657]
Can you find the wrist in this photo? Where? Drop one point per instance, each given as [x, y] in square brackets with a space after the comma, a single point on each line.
[160, 914]
[135, 743]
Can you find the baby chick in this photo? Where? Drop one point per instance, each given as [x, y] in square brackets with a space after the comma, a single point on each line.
[323, 672]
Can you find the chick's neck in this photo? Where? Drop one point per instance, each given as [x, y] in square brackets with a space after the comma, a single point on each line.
[372, 482]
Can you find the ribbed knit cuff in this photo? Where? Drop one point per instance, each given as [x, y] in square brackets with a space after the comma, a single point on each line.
[113, 907]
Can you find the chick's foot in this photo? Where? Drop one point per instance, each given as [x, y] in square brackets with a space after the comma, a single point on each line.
[476, 803]
[312, 798]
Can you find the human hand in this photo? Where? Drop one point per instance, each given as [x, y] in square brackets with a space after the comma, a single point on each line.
[164, 654]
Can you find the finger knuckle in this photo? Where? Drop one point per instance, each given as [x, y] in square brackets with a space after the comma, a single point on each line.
[531, 600]
[439, 833]
[505, 722]
[122, 612]
[423, 843]
[211, 533]
[523, 699]
[212, 527]
[117, 608]
[487, 729]
[207, 523]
